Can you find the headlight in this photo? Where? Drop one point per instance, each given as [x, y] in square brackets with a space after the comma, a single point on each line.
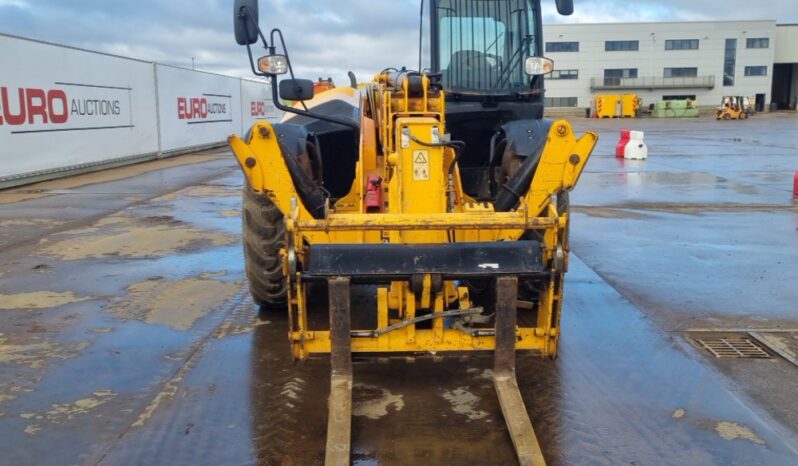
[536, 66]
[273, 64]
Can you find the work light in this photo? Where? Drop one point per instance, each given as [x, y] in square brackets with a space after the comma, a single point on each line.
[273, 64]
[535, 66]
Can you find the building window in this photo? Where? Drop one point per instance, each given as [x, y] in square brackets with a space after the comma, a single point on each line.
[681, 72]
[562, 46]
[729, 62]
[757, 43]
[756, 70]
[679, 97]
[621, 45]
[681, 44]
[613, 77]
[560, 102]
[564, 74]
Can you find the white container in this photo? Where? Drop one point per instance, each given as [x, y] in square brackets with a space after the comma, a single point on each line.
[636, 149]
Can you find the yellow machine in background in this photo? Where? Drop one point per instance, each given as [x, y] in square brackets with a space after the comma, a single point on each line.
[616, 105]
[734, 108]
[443, 190]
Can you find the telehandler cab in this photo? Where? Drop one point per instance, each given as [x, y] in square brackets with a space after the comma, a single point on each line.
[444, 190]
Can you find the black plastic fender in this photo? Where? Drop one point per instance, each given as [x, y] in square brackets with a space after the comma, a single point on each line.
[525, 138]
[293, 143]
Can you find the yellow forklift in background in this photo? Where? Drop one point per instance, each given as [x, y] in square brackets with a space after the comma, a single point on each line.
[442, 189]
[734, 108]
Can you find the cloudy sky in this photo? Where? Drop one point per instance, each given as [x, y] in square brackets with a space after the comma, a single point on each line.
[325, 38]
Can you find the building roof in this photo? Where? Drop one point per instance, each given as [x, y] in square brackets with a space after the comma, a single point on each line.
[630, 23]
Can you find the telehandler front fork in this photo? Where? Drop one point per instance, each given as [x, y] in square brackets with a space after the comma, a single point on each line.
[339, 422]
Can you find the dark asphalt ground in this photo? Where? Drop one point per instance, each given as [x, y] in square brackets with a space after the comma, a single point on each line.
[127, 336]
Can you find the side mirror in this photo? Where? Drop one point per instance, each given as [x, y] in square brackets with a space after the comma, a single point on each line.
[565, 7]
[245, 20]
[296, 89]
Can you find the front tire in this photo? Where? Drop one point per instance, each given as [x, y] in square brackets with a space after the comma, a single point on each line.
[263, 228]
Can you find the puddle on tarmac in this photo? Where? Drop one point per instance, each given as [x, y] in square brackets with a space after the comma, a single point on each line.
[733, 431]
[29, 222]
[178, 304]
[465, 403]
[373, 402]
[10, 392]
[34, 351]
[44, 188]
[208, 190]
[133, 237]
[241, 321]
[60, 413]
[38, 300]
[481, 374]
[608, 212]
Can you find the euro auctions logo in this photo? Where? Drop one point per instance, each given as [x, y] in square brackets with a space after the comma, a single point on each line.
[48, 106]
[68, 107]
[208, 108]
[259, 108]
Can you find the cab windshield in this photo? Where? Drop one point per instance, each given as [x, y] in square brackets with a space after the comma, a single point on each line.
[481, 45]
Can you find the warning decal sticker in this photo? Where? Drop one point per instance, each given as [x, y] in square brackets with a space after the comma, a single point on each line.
[420, 165]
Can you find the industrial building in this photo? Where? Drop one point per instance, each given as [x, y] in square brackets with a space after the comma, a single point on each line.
[703, 61]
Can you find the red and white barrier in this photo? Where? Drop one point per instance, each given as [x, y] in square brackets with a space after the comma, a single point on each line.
[621, 146]
[631, 146]
[636, 148]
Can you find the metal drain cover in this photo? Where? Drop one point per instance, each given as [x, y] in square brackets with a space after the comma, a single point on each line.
[732, 347]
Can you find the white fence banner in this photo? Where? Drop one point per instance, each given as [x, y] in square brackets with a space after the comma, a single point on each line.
[63, 108]
[196, 108]
[257, 104]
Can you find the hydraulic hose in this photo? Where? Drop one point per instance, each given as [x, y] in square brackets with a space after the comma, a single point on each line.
[459, 147]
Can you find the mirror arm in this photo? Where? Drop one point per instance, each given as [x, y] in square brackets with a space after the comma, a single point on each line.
[285, 52]
[252, 63]
[244, 13]
[287, 109]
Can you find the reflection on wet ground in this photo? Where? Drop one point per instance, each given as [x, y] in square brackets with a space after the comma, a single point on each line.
[127, 337]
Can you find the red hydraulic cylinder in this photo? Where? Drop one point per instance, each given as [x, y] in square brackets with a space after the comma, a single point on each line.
[795, 185]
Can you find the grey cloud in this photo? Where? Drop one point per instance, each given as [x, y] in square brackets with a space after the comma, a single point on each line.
[324, 38]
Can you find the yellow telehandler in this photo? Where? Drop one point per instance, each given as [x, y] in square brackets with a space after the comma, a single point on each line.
[443, 189]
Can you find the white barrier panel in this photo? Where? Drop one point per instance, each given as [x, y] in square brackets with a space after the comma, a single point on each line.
[196, 108]
[257, 104]
[63, 108]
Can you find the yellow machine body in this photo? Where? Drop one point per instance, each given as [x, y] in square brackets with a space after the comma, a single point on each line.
[422, 204]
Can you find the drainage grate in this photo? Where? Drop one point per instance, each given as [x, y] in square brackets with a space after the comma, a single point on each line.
[733, 347]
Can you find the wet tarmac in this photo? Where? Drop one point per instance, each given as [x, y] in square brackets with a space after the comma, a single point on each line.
[127, 336]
